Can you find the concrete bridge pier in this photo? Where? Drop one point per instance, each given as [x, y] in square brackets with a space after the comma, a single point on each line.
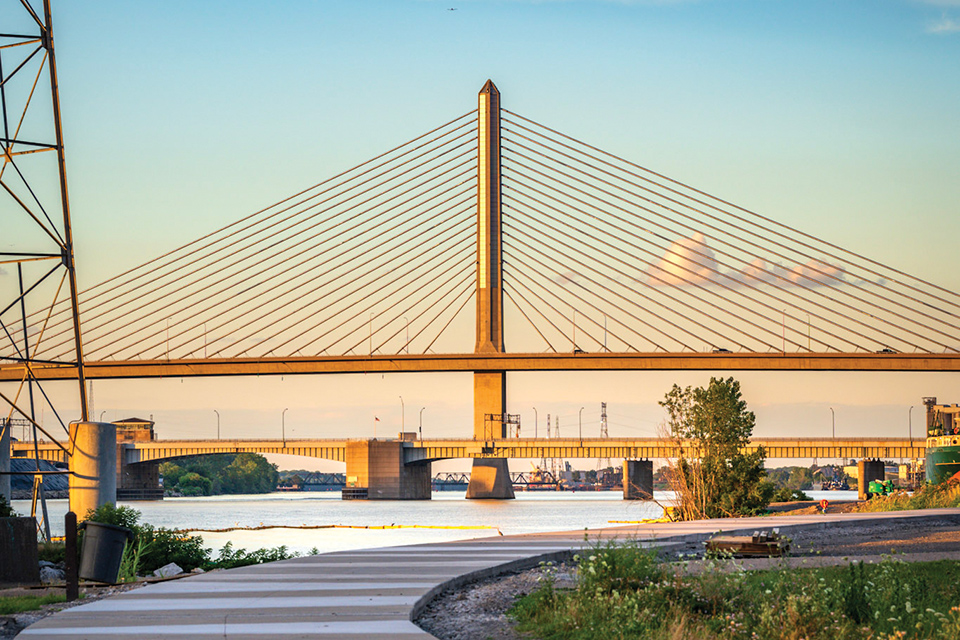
[93, 466]
[637, 479]
[490, 480]
[5, 460]
[867, 472]
[376, 471]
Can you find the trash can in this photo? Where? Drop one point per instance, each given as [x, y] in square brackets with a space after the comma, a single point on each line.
[102, 551]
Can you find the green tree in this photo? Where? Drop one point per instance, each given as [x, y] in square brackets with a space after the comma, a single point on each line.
[194, 484]
[713, 477]
[233, 473]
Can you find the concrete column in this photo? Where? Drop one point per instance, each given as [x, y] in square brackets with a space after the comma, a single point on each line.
[378, 467]
[490, 479]
[93, 462]
[867, 471]
[637, 479]
[489, 397]
[5, 461]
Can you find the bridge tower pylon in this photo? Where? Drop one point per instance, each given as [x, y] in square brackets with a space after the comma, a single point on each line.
[490, 388]
[490, 477]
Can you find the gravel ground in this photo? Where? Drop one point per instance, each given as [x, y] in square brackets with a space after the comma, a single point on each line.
[478, 612]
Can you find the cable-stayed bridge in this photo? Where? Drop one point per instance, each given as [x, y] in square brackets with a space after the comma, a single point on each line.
[590, 260]
[490, 244]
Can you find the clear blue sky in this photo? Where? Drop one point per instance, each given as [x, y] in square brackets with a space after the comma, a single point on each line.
[840, 118]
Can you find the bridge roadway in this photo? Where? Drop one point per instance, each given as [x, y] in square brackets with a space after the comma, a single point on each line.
[470, 362]
[430, 450]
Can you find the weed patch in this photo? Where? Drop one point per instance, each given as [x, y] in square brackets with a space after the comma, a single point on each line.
[625, 592]
[18, 604]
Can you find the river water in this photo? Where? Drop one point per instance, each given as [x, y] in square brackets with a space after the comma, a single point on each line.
[448, 511]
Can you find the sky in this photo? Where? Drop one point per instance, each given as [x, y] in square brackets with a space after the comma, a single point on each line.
[839, 119]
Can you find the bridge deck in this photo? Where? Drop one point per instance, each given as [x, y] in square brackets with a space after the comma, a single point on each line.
[535, 448]
[469, 362]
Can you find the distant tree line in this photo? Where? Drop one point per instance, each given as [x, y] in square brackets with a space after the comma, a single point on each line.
[233, 473]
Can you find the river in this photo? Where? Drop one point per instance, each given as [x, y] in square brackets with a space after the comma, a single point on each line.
[449, 511]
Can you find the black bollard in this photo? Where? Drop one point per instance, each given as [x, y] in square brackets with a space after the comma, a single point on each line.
[71, 564]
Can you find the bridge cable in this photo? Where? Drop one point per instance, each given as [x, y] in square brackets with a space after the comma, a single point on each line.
[685, 304]
[158, 275]
[266, 209]
[746, 211]
[634, 235]
[240, 260]
[807, 289]
[692, 282]
[809, 266]
[305, 260]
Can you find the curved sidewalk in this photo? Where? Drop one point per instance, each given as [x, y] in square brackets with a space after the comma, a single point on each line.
[367, 593]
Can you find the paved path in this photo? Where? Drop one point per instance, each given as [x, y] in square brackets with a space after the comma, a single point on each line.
[361, 594]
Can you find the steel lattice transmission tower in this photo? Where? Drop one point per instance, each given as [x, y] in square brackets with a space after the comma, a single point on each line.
[38, 279]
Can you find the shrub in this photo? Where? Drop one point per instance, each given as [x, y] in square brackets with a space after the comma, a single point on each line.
[54, 552]
[153, 548]
[6, 511]
[229, 559]
[785, 494]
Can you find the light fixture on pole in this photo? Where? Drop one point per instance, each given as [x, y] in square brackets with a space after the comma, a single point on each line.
[402, 411]
[536, 421]
[833, 420]
[283, 425]
[218, 423]
[910, 423]
[581, 426]
[421, 422]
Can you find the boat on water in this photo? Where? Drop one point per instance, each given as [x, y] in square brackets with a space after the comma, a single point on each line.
[943, 440]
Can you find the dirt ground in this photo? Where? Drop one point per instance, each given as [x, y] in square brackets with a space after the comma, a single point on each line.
[479, 611]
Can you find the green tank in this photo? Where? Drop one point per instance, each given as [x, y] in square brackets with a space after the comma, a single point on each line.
[943, 440]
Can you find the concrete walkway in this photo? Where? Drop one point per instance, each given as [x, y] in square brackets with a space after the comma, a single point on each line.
[365, 594]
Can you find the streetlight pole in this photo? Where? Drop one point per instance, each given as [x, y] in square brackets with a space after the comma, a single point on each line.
[421, 423]
[104, 411]
[581, 426]
[283, 425]
[536, 421]
[402, 411]
[910, 422]
[833, 419]
[218, 423]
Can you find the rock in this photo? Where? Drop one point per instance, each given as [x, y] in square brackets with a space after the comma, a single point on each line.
[168, 570]
[197, 570]
[50, 574]
[45, 563]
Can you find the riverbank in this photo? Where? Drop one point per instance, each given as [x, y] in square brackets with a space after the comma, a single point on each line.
[479, 611]
[376, 592]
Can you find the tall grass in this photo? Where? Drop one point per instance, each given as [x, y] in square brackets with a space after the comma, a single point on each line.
[929, 496]
[624, 592]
